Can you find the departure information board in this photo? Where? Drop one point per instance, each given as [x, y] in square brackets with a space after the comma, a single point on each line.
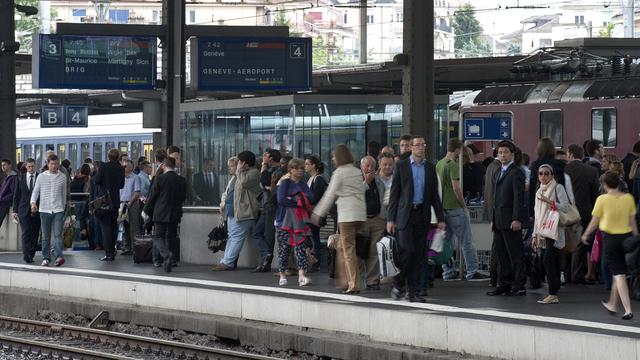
[252, 63]
[96, 62]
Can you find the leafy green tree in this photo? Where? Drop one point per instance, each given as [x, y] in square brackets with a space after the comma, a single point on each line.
[26, 26]
[320, 54]
[514, 49]
[282, 19]
[468, 33]
[607, 31]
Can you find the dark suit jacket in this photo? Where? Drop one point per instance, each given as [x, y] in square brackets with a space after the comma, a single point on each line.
[586, 186]
[110, 178]
[22, 196]
[509, 202]
[401, 197]
[166, 196]
[208, 194]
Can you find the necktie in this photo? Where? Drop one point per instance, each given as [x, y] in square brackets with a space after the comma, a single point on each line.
[210, 180]
[502, 172]
[30, 182]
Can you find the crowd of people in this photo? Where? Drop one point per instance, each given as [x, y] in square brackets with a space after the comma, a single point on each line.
[103, 198]
[563, 208]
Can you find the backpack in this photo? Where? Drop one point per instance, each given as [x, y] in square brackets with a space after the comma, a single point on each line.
[388, 256]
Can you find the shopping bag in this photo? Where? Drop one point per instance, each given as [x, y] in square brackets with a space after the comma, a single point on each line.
[597, 247]
[446, 253]
[549, 227]
[437, 240]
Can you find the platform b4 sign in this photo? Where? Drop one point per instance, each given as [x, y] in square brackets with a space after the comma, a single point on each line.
[52, 116]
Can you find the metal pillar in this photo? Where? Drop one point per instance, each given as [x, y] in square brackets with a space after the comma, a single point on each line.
[417, 79]
[628, 18]
[363, 31]
[173, 69]
[8, 81]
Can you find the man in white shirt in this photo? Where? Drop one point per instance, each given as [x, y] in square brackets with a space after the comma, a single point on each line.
[51, 191]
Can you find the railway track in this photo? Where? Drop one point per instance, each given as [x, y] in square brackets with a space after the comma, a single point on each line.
[24, 337]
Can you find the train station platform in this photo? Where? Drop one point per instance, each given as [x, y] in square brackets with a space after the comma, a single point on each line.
[457, 317]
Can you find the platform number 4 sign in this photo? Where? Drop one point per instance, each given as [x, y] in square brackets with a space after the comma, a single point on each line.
[76, 116]
[64, 116]
[297, 51]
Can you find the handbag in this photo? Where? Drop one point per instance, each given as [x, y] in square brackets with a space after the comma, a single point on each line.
[597, 247]
[570, 240]
[569, 216]
[332, 241]
[549, 226]
[218, 236]
[100, 205]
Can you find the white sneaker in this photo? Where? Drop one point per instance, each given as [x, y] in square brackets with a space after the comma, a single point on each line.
[45, 262]
[304, 281]
[283, 282]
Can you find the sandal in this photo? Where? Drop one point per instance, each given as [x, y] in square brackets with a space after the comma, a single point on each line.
[304, 281]
[549, 300]
[283, 282]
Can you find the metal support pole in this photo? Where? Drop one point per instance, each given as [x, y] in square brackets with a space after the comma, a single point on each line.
[417, 80]
[628, 18]
[8, 81]
[363, 31]
[173, 69]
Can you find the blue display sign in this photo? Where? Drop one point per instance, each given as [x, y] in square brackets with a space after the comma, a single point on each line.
[243, 63]
[95, 62]
[64, 116]
[491, 129]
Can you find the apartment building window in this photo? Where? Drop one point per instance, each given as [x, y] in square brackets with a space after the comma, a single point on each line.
[192, 16]
[78, 14]
[579, 19]
[345, 18]
[155, 16]
[545, 43]
[119, 16]
[399, 17]
[369, 19]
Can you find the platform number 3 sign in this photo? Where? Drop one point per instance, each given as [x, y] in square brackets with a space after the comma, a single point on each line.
[297, 51]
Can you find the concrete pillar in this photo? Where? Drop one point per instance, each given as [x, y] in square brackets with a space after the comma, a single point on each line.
[417, 80]
[363, 31]
[173, 69]
[8, 81]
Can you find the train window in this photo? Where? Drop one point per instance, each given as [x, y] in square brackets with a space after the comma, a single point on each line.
[18, 154]
[136, 151]
[551, 126]
[39, 155]
[603, 126]
[97, 151]
[85, 151]
[109, 145]
[50, 147]
[73, 154]
[27, 150]
[148, 152]
[62, 153]
[123, 146]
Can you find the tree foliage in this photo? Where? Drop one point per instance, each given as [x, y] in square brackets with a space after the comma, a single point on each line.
[607, 31]
[320, 52]
[468, 33]
[26, 26]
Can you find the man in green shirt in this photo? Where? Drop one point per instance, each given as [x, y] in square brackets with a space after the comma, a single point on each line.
[457, 214]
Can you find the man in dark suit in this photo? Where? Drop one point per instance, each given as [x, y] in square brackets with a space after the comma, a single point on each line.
[509, 216]
[586, 188]
[29, 222]
[110, 179]
[206, 186]
[414, 190]
[164, 207]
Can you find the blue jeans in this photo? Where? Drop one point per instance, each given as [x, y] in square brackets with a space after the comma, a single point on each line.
[47, 220]
[238, 232]
[458, 224]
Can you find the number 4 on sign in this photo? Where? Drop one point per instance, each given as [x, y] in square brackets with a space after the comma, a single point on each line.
[76, 118]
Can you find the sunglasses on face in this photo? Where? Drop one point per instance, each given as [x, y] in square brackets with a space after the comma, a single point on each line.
[545, 173]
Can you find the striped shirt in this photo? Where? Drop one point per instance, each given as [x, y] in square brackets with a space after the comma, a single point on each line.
[51, 189]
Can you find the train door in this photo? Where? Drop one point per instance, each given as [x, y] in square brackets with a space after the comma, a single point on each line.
[148, 152]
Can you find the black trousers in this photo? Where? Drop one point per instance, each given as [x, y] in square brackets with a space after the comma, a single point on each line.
[510, 252]
[109, 227]
[29, 229]
[579, 266]
[164, 235]
[412, 248]
[4, 210]
[552, 260]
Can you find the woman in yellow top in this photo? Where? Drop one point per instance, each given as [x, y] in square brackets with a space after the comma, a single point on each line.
[614, 213]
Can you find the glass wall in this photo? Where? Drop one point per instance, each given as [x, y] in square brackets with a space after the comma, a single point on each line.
[296, 130]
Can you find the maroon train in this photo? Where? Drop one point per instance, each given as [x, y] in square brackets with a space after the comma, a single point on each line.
[569, 112]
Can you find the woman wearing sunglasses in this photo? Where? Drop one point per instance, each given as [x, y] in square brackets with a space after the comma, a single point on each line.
[614, 214]
[548, 196]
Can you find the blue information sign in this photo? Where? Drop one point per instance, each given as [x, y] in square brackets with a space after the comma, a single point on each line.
[492, 129]
[64, 116]
[243, 63]
[96, 62]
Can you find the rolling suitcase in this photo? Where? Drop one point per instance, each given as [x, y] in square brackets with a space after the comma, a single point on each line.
[387, 256]
[142, 248]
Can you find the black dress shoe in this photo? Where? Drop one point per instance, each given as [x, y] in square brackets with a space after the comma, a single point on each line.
[373, 287]
[258, 269]
[417, 299]
[423, 292]
[167, 265]
[498, 291]
[517, 292]
[628, 316]
[106, 258]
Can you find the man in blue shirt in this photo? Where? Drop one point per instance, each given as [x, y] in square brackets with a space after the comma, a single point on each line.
[414, 190]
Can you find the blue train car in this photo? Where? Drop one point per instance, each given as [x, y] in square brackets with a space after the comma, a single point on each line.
[105, 132]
